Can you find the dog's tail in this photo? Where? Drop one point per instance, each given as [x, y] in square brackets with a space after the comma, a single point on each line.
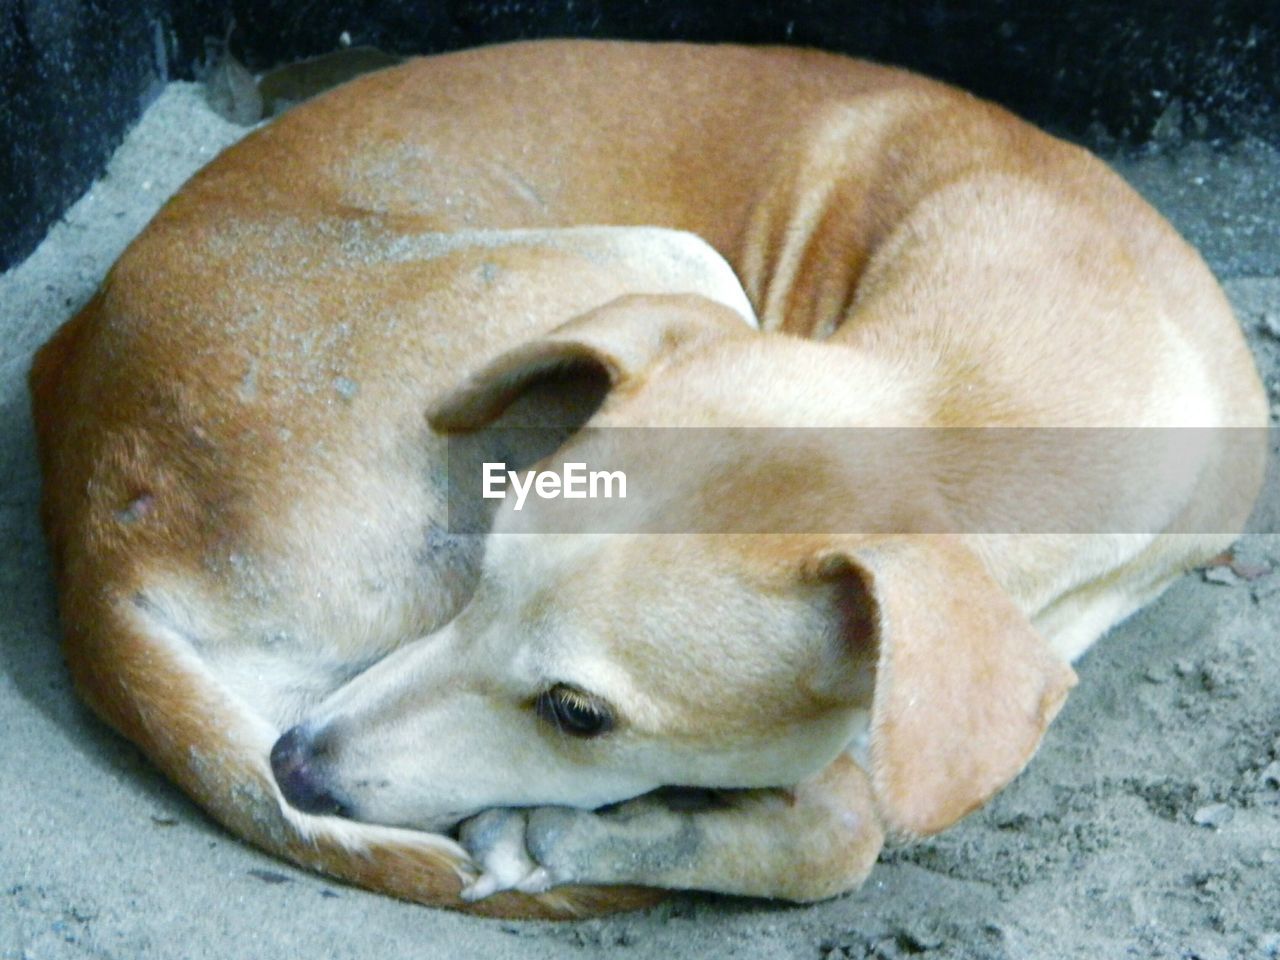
[144, 677]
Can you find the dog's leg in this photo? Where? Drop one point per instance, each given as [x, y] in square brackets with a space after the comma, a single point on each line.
[815, 841]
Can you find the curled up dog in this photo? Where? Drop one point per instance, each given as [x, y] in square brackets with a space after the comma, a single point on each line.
[270, 584]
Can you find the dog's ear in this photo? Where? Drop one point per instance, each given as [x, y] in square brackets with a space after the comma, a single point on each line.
[965, 686]
[619, 341]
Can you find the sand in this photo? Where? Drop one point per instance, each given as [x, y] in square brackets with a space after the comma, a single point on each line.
[1148, 824]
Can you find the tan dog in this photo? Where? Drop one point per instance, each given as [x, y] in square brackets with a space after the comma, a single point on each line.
[247, 507]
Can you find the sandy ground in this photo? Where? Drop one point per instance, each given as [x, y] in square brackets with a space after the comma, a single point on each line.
[1148, 825]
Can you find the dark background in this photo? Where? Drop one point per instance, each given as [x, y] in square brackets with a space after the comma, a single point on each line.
[74, 74]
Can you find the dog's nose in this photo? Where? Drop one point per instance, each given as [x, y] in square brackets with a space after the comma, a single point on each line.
[293, 761]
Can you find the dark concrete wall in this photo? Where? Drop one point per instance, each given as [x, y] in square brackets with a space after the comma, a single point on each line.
[75, 73]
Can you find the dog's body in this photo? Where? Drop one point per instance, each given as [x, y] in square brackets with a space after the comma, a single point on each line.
[246, 504]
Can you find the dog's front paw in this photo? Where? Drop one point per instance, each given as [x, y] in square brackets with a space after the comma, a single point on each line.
[496, 841]
[567, 843]
[641, 842]
[532, 850]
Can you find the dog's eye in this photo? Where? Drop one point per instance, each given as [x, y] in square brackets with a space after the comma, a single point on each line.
[573, 711]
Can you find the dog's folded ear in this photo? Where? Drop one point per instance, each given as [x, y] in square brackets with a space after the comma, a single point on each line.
[619, 341]
[965, 686]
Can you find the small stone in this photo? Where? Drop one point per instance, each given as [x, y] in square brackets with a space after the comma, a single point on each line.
[1270, 775]
[1214, 815]
[1270, 324]
[1225, 576]
[269, 876]
[1184, 668]
[921, 940]
[1167, 131]
[1268, 944]
[232, 92]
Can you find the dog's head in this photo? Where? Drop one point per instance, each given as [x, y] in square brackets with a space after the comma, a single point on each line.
[591, 667]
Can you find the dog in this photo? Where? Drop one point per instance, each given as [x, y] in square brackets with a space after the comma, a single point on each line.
[245, 441]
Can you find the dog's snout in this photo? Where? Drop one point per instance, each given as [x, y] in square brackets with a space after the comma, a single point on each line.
[294, 761]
